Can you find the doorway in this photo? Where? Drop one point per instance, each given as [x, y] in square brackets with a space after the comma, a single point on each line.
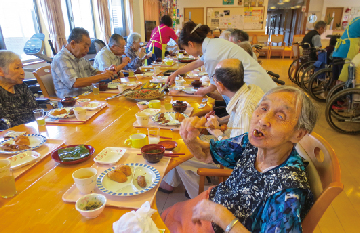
[195, 14]
[335, 12]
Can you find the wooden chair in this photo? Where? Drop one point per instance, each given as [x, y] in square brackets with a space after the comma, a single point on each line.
[263, 40]
[277, 38]
[298, 38]
[45, 80]
[324, 176]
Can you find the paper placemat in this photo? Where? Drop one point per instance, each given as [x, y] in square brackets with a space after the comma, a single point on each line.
[73, 120]
[133, 202]
[49, 146]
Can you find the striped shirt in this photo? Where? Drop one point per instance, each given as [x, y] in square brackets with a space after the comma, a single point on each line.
[65, 69]
[106, 58]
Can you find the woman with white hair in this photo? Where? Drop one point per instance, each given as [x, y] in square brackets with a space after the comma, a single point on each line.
[134, 52]
[17, 102]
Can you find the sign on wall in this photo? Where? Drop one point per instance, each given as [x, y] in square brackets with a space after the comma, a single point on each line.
[228, 2]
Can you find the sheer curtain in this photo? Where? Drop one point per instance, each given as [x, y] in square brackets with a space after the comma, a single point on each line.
[52, 13]
[151, 10]
[129, 16]
[104, 19]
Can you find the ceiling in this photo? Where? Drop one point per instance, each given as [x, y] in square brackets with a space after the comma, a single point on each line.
[286, 5]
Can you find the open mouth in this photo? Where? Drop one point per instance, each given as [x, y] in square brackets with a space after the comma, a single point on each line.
[257, 133]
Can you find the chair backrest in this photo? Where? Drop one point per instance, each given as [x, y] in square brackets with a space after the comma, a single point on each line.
[277, 38]
[262, 39]
[298, 38]
[324, 176]
[251, 39]
[296, 52]
[45, 80]
[325, 43]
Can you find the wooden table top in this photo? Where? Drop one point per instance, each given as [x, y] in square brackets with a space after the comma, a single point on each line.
[38, 205]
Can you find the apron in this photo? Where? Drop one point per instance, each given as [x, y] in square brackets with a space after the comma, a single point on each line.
[163, 46]
[353, 51]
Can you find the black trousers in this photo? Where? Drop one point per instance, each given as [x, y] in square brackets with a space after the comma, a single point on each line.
[157, 53]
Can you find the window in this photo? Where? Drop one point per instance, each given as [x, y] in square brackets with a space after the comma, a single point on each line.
[19, 27]
[80, 14]
[118, 17]
[66, 14]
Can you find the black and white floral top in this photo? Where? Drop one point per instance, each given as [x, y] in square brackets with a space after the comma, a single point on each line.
[272, 201]
[135, 62]
[17, 108]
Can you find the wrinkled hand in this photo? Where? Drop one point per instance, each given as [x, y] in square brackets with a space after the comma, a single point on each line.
[204, 210]
[126, 60]
[211, 113]
[112, 68]
[108, 74]
[213, 126]
[171, 78]
[188, 132]
[201, 91]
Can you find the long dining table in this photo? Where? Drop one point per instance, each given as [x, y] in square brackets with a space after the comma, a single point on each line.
[38, 205]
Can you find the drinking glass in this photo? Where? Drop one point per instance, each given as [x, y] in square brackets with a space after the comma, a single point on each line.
[7, 179]
[95, 87]
[167, 104]
[154, 135]
[39, 116]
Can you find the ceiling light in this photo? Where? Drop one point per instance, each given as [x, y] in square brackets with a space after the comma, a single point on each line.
[286, 1]
[272, 7]
[297, 6]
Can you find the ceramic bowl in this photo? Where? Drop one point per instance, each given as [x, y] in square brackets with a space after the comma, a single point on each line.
[179, 106]
[169, 145]
[88, 200]
[143, 105]
[139, 75]
[152, 157]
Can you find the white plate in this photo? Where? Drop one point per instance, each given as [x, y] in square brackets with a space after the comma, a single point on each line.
[189, 90]
[150, 111]
[12, 134]
[23, 159]
[93, 105]
[113, 85]
[109, 155]
[159, 79]
[62, 116]
[168, 116]
[36, 140]
[130, 187]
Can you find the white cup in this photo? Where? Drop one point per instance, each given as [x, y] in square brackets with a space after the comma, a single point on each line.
[85, 179]
[121, 87]
[142, 118]
[179, 82]
[80, 113]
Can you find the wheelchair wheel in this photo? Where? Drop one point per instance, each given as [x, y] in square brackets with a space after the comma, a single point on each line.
[335, 90]
[304, 81]
[343, 111]
[292, 70]
[301, 71]
[319, 84]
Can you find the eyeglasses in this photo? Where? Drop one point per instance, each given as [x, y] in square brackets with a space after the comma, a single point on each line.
[213, 77]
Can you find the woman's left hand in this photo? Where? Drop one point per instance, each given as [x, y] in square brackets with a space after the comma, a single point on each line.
[205, 210]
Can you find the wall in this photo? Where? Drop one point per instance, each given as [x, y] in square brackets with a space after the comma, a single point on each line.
[339, 3]
[139, 22]
[211, 3]
[316, 7]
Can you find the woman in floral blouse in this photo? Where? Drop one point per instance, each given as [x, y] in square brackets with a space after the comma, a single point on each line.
[134, 52]
[268, 190]
[17, 102]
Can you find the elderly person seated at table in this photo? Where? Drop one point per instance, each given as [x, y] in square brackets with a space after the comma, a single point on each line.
[134, 52]
[110, 57]
[229, 80]
[241, 38]
[268, 190]
[72, 73]
[17, 102]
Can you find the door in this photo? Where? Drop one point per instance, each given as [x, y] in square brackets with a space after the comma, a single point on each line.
[194, 14]
[335, 12]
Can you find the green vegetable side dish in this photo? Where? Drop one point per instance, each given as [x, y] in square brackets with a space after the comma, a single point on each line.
[93, 206]
[153, 151]
[73, 153]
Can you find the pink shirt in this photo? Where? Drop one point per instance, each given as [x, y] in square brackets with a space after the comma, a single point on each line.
[166, 34]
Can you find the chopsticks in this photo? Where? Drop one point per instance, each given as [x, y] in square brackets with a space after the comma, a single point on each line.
[162, 137]
[171, 154]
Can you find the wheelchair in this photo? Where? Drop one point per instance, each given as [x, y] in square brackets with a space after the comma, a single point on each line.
[343, 106]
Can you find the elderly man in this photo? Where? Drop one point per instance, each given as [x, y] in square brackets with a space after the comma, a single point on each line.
[313, 38]
[111, 55]
[241, 38]
[134, 52]
[72, 73]
[229, 80]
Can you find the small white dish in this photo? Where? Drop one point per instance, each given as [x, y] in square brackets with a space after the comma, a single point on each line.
[150, 111]
[189, 90]
[93, 105]
[109, 155]
[83, 102]
[88, 200]
[23, 159]
[113, 85]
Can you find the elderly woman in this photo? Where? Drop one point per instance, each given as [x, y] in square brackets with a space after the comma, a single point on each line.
[268, 190]
[16, 100]
[134, 52]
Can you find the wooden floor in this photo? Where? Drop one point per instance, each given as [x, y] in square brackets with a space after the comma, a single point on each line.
[344, 213]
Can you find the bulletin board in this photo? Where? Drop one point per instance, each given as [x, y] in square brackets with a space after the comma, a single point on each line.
[243, 18]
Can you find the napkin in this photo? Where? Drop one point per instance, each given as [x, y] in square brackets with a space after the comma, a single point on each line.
[139, 221]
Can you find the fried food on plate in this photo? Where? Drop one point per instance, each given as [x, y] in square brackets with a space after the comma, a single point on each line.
[141, 181]
[22, 140]
[117, 175]
[125, 169]
[59, 112]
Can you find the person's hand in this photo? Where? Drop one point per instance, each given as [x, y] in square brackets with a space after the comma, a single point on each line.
[108, 74]
[125, 60]
[201, 91]
[188, 130]
[205, 210]
[211, 113]
[171, 78]
[213, 127]
[112, 68]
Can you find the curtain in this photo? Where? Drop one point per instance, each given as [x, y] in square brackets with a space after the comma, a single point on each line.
[151, 10]
[104, 19]
[129, 16]
[52, 14]
[2, 42]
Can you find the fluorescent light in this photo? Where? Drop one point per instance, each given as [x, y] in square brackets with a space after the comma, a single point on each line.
[297, 6]
[272, 7]
[280, 3]
[286, 1]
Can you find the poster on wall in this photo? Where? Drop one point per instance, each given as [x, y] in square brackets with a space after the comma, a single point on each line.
[216, 14]
[228, 2]
[226, 12]
[214, 23]
[240, 2]
[246, 3]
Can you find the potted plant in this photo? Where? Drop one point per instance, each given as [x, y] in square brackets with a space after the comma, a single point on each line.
[328, 21]
[338, 26]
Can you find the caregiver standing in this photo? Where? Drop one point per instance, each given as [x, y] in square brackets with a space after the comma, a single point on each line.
[213, 50]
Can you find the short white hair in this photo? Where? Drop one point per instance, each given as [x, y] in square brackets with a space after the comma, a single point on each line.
[133, 38]
[225, 35]
[6, 58]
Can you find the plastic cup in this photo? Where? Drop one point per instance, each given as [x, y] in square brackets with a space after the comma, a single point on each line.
[7, 179]
[39, 117]
[95, 87]
[80, 113]
[154, 135]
